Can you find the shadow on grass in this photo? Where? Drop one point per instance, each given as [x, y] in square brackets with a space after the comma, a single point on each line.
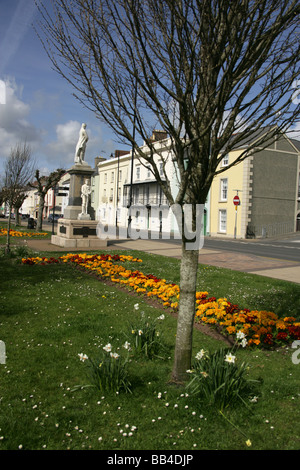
[18, 283]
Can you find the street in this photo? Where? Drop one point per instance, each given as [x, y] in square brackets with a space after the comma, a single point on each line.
[287, 248]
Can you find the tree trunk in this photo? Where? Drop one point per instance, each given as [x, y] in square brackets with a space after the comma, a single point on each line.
[40, 213]
[17, 216]
[186, 313]
[7, 248]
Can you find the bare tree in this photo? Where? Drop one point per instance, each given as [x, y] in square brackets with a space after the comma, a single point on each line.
[18, 172]
[18, 204]
[43, 184]
[211, 73]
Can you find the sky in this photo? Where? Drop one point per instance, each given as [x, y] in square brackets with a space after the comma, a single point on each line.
[36, 104]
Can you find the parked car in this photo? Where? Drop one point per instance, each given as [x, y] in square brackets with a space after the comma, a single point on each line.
[56, 217]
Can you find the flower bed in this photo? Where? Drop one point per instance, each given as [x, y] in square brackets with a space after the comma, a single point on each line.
[20, 234]
[262, 328]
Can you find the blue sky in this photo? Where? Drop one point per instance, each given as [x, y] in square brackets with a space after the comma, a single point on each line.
[39, 106]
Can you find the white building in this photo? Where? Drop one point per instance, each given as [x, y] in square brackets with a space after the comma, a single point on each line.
[128, 189]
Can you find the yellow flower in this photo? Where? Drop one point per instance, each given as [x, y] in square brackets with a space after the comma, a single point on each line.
[280, 325]
[230, 329]
[248, 443]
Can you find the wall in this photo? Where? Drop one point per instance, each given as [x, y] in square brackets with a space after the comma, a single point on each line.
[221, 202]
[274, 186]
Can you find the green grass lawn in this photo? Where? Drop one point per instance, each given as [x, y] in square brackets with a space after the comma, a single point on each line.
[50, 314]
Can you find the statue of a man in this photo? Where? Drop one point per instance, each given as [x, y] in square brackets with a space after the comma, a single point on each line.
[81, 145]
[85, 192]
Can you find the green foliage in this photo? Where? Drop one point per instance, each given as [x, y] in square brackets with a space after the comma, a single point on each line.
[145, 337]
[218, 380]
[109, 372]
[51, 313]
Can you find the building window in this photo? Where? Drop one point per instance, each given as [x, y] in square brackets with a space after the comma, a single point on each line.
[112, 177]
[105, 177]
[222, 221]
[120, 175]
[138, 172]
[148, 172]
[224, 189]
[161, 169]
[225, 161]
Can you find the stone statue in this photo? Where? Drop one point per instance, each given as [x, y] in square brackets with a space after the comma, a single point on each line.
[81, 145]
[85, 192]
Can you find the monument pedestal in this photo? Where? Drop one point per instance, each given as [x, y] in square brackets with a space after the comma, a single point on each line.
[77, 229]
[78, 174]
[77, 234]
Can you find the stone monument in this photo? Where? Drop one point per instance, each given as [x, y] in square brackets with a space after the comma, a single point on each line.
[85, 194]
[77, 229]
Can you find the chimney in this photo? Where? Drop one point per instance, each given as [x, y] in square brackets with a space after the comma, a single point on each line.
[158, 135]
[98, 160]
[120, 153]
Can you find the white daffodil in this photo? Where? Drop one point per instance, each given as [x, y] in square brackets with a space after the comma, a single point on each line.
[114, 355]
[200, 354]
[82, 357]
[240, 335]
[230, 358]
[108, 347]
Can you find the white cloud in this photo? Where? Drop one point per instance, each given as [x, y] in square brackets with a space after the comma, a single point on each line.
[42, 125]
[15, 125]
[294, 132]
[63, 148]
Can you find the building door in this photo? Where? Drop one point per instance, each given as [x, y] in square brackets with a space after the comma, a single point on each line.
[298, 223]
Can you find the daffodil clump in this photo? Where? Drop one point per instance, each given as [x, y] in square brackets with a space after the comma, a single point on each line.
[108, 372]
[262, 328]
[219, 379]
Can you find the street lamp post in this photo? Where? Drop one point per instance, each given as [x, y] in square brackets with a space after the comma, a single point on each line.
[132, 159]
[54, 189]
[117, 194]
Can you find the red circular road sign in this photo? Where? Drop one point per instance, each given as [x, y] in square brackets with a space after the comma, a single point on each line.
[236, 200]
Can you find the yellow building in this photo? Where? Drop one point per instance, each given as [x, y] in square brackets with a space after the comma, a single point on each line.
[228, 219]
[267, 184]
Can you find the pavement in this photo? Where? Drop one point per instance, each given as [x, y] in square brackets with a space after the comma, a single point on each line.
[259, 265]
